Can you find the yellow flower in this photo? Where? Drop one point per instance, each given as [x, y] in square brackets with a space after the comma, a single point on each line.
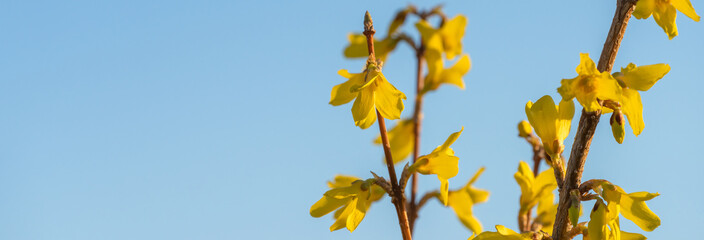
[358, 46]
[447, 39]
[442, 162]
[533, 188]
[551, 123]
[351, 197]
[589, 85]
[401, 140]
[503, 233]
[461, 201]
[634, 79]
[604, 222]
[664, 13]
[375, 94]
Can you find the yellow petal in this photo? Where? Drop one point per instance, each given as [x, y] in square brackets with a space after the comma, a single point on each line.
[685, 7]
[634, 208]
[401, 140]
[451, 139]
[665, 15]
[326, 205]
[360, 210]
[504, 230]
[586, 65]
[341, 217]
[632, 107]
[644, 8]
[632, 236]
[543, 116]
[461, 203]
[342, 181]
[452, 32]
[564, 121]
[388, 99]
[608, 88]
[644, 77]
[363, 109]
[342, 93]
[454, 74]
[597, 223]
[445, 166]
[444, 189]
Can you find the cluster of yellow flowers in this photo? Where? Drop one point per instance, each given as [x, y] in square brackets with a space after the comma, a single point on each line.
[374, 96]
[603, 92]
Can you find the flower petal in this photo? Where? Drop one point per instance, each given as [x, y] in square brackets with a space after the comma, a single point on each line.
[632, 106]
[342, 93]
[635, 209]
[363, 109]
[388, 99]
[644, 77]
[326, 205]
[685, 6]
[665, 15]
[644, 8]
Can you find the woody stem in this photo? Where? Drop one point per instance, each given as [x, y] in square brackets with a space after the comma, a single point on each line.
[397, 195]
[589, 120]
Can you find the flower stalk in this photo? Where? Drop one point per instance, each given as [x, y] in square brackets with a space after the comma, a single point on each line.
[397, 195]
[589, 120]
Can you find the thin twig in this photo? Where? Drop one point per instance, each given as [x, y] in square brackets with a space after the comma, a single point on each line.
[398, 197]
[589, 120]
[417, 121]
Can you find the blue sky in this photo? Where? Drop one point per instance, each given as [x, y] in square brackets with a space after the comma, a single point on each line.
[209, 119]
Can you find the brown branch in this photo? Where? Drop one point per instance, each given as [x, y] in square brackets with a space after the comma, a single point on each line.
[426, 198]
[589, 120]
[417, 120]
[398, 197]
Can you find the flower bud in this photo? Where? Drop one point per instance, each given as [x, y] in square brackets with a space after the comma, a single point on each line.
[617, 127]
[524, 129]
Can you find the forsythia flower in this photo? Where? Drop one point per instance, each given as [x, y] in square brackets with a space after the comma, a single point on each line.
[374, 94]
[503, 233]
[604, 224]
[551, 123]
[634, 79]
[631, 205]
[351, 197]
[461, 201]
[589, 85]
[664, 12]
[447, 39]
[358, 46]
[401, 140]
[442, 162]
[537, 190]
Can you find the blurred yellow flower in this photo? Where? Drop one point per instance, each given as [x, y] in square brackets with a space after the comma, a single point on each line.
[358, 46]
[448, 40]
[401, 140]
[462, 200]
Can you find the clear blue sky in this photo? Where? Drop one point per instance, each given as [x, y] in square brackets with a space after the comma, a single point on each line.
[209, 119]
